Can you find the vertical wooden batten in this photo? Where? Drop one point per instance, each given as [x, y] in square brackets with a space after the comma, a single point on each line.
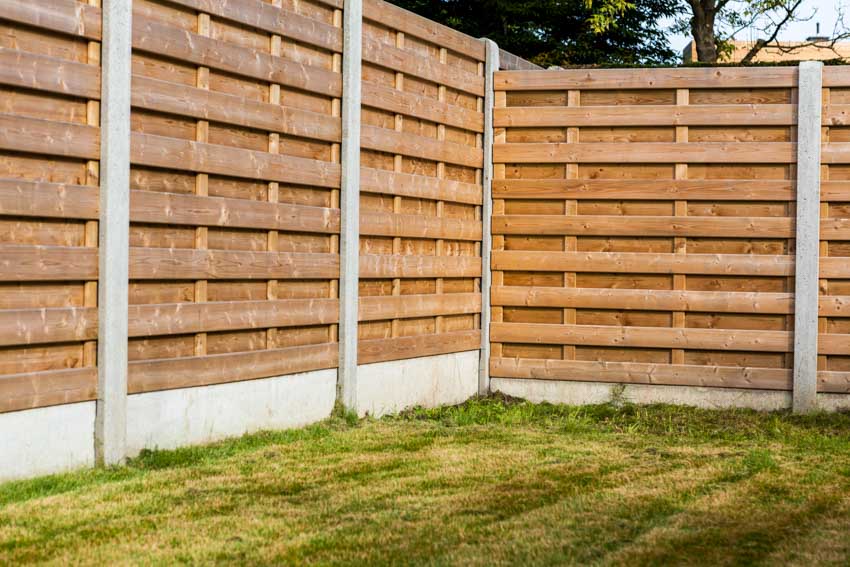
[809, 113]
[111, 413]
[349, 248]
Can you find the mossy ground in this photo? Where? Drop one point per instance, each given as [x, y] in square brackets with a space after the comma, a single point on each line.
[493, 481]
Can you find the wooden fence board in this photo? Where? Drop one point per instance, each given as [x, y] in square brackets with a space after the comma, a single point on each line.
[644, 224]
[649, 79]
[161, 39]
[194, 371]
[643, 373]
[50, 74]
[639, 190]
[20, 197]
[422, 161]
[63, 16]
[189, 264]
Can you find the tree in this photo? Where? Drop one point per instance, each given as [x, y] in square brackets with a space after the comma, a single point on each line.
[562, 32]
[714, 23]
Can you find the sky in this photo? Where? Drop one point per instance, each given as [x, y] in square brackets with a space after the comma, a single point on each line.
[827, 13]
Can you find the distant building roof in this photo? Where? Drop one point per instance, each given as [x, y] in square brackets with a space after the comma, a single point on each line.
[821, 51]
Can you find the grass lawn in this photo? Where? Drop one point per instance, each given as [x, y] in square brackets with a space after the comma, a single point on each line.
[490, 482]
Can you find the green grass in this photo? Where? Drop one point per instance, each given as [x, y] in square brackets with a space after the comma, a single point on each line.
[493, 481]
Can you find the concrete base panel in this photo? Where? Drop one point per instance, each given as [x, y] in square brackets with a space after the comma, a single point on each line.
[194, 416]
[389, 387]
[583, 393]
[46, 440]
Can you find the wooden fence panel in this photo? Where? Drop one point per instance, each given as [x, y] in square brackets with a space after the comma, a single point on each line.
[834, 308]
[422, 160]
[234, 258]
[643, 226]
[49, 152]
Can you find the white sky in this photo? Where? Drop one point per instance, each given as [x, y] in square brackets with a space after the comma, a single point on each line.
[827, 13]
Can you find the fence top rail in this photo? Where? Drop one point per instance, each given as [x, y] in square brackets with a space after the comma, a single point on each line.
[618, 79]
[420, 27]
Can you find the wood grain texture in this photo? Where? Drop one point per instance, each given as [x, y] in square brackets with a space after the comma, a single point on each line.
[644, 337]
[49, 74]
[643, 373]
[646, 224]
[650, 79]
[40, 389]
[194, 371]
[381, 350]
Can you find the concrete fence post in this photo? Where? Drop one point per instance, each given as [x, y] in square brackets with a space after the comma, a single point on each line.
[113, 239]
[808, 236]
[349, 248]
[490, 67]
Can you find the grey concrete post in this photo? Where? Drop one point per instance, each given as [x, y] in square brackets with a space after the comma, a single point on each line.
[808, 236]
[349, 249]
[114, 227]
[490, 67]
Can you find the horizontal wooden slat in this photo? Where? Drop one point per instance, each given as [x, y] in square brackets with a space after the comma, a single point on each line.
[32, 135]
[836, 114]
[620, 79]
[423, 28]
[834, 306]
[400, 266]
[186, 155]
[189, 264]
[835, 153]
[404, 143]
[644, 263]
[51, 388]
[194, 210]
[272, 19]
[51, 200]
[374, 223]
[836, 76]
[380, 350]
[417, 106]
[833, 382]
[161, 39]
[36, 326]
[644, 300]
[418, 186]
[63, 16]
[643, 337]
[642, 373]
[649, 152]
[614, 225]
[833, 343]
[662, 300]
[429, 69]
[21, 263]
[834, 267]
[185, 100]
[50, 74]
[167, 374]
[383, 307]
[835, 191]
[648, 190]
[648, 115]
[835, 228]
[510, 62]
[183, 318]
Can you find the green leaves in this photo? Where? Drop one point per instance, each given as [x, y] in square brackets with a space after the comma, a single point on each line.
[562, 32]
